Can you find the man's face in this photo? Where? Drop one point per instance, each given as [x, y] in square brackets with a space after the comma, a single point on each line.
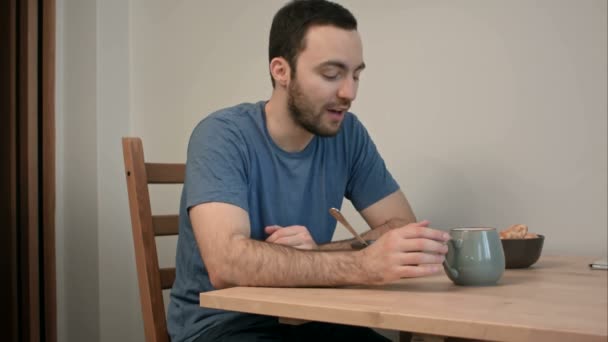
[326, 79]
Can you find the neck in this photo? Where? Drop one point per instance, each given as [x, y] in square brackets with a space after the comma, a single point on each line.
[283, 130]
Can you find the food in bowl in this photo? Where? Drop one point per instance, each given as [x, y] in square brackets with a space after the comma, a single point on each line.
[521, 248]
[516, 231]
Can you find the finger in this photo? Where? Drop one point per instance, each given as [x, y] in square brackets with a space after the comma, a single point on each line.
[277, 235]
[423, 223]
[271, 229]
[423, 245]
[412, 232]
[419, 271]
[418, 258]
[281, 232]
[288, 241]
[287, 231]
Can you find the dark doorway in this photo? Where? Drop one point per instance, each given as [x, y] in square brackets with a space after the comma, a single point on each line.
[27, 170]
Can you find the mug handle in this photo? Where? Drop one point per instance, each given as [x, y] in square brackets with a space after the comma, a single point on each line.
[452, 244]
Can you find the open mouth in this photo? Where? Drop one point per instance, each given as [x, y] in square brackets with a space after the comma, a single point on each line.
[336, 112]
[335, 115]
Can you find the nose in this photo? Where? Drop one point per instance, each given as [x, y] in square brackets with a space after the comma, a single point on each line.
[348, 89]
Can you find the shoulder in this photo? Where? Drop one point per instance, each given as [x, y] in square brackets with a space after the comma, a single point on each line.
[228, 122]
[352, 127]
[355, 138]
[236, 116]
[352, 122]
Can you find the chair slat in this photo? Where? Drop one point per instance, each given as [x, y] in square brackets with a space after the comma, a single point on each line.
[167, 277]
[165, 173]
[165, 224]
[146, 258]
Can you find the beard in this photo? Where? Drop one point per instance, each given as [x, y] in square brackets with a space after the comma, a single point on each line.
[305, 115]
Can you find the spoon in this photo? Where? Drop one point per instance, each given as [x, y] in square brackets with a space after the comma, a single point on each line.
[338, 216]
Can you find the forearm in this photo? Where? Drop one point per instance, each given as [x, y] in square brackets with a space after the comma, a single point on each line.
[342, 245]
[257, 263]
[377, 231]
[372, 234]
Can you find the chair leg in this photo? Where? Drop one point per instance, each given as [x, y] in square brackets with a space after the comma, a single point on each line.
[424, 338]
[405, 336]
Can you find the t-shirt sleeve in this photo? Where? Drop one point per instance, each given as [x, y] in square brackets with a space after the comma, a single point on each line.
[216, 165]
[369, 180]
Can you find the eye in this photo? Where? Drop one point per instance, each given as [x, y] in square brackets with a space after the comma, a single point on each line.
[331, 77]
[331, 73]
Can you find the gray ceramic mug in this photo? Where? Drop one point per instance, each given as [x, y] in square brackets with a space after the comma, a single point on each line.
[475, 256]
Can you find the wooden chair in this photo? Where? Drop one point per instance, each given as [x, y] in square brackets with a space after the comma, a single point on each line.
[146, 227]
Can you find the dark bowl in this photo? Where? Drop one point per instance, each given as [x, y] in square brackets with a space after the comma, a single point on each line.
[522, 253]
[358, 245]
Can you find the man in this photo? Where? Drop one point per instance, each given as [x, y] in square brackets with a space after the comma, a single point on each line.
[261, 177]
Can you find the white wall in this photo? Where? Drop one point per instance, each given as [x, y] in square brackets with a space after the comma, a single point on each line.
[487, 113]
[493, 112]
[77, 191]
[97, 285]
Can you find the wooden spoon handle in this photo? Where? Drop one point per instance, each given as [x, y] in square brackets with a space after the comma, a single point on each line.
[338, 216]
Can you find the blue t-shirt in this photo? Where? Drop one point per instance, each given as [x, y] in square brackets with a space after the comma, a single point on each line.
[232, 159]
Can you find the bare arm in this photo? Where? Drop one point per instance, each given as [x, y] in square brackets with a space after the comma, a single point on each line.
[393, 211]
[222, 233]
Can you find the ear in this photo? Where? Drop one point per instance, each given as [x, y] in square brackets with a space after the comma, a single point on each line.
[280, 71]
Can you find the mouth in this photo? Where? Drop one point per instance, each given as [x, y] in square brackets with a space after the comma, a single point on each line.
[337, 113]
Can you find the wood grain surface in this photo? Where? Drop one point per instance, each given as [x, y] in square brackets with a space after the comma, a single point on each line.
[557, 299]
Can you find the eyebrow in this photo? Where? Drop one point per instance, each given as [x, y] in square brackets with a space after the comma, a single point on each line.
[340, 65]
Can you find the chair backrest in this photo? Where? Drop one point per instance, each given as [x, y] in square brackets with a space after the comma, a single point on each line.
[146, 227]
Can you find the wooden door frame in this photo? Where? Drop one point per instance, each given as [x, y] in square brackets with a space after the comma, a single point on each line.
[8, 176]
[48, 198]
[27, 170]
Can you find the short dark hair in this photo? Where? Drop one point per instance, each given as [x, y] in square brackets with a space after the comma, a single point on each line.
[291, 23]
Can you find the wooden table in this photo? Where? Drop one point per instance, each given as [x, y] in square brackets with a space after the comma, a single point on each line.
[558, 299]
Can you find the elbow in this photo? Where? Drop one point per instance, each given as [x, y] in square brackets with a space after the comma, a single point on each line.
[222, 274]
[219, 278]
[223, 267]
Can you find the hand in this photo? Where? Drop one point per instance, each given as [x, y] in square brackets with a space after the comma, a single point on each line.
[294, 236]
[414, 250]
